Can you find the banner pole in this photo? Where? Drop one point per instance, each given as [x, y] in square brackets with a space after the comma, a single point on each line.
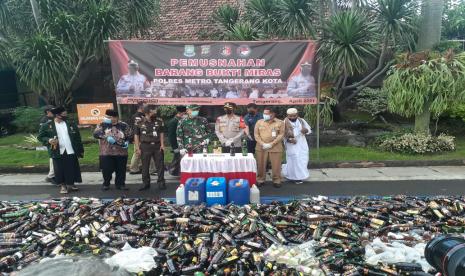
[118, 106]
[318, 116]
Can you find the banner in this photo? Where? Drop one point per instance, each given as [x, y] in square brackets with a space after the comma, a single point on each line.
[211, 73]
[92, 114]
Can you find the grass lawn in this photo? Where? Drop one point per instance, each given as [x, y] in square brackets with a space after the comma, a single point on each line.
[14, 157]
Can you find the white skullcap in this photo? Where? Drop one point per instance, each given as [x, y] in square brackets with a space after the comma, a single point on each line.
[292, 111]
[132, 63]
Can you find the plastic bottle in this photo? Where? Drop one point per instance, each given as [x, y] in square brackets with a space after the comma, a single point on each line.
[180, 199]
[254, 195]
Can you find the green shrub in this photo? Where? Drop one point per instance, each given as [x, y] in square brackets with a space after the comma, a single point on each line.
[457, 111]
[412, 143]
[27, 119]
[372, 101]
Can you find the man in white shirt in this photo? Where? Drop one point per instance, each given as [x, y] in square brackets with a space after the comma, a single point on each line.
[302, 85]
[64, 144]
[133, 83]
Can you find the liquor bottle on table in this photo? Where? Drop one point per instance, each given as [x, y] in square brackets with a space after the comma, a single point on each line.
[245, 151]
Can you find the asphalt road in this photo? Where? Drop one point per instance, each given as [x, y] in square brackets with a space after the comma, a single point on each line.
[347, 188]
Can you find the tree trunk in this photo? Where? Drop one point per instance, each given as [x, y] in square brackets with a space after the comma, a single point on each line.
[422, 120]
[430, 27]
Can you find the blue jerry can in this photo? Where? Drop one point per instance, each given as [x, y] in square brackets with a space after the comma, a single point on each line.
[194, 192]
[216, 191]
[238, 191]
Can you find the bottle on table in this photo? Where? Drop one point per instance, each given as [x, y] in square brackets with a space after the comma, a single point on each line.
[232, 150]
[190, 150]
[245, 151]
[205, 150]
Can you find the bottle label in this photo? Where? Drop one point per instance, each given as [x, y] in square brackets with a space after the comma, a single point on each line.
[193, 195]
[214, 194]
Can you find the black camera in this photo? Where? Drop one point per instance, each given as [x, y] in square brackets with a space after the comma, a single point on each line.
[447, 255]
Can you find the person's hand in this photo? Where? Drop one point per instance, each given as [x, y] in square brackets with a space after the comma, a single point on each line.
[138, 151]
[111, 140]
[162, 148]
[53, 142]
[228, 142]
[205, 142]
[266, 146]
[292, 141]
[125, 145]
[176, 150]
[304, 131]
[250, 137]
[183, 152]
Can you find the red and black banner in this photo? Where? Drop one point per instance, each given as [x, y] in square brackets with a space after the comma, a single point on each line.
[211, 73]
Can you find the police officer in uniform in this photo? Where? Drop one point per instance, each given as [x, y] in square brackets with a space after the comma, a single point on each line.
[229, 129]
[149, 140]
[193, 131]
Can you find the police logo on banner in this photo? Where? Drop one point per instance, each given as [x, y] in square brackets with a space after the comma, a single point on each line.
[244, 51]
[226, 50]
[189, 50]
[205, 50]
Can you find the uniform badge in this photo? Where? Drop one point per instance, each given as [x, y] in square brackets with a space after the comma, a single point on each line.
[205, 50]
[189, 50]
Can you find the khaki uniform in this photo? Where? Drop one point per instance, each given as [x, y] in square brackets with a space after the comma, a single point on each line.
[149, 133]
[227, 127]
[271, 132]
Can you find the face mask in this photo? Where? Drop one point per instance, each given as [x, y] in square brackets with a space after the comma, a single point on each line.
[106, 120]
[195, 113]
[228, 111]
[293, 120]
[266, 117]
[252, 112]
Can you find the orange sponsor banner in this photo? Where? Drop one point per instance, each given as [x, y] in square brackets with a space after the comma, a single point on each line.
[92, 114]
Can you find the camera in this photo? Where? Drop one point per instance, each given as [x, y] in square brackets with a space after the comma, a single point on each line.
[447, 255]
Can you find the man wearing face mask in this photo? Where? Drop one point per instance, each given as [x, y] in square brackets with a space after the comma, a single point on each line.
[64, 144]
[48, 116]
[296, 129]
[171, 129]
[193, 131]
[229, 129]
[250, 120]
[269, 134]
[302, 85]
[149, 142]
[114, 137]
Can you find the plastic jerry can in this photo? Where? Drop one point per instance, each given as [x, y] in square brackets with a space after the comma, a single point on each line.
[194, 191]
[216, 191]
[238, 191]
[254, 195]
[180, 196]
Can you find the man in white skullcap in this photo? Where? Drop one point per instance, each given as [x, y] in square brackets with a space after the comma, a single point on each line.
[303, 84]
[133, 83]
[297, 151]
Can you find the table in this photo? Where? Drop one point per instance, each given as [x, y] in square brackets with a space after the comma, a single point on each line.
[219, 165]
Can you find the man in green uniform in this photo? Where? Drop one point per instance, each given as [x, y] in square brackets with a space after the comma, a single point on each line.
[171, 129]
[193, 131]
[149, 143]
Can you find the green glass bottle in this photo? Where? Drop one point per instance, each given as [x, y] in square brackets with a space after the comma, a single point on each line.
[245, 151]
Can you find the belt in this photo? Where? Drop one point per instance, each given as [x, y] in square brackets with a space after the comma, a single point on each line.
[151, 143]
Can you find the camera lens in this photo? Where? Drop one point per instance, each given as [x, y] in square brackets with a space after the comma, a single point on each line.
[447, 255]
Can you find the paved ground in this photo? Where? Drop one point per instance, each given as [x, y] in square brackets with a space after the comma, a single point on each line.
[421, 181]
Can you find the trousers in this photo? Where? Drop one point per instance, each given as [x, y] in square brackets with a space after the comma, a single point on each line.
[114, 164]
[149, 152]
[136, 163]
[262, 160]
[175, 165]
[251, 146]
[51, 171]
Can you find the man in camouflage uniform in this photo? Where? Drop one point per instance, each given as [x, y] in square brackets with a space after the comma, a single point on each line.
[193, 131]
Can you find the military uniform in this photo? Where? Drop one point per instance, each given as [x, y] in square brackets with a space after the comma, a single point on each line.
[171, 129]
[135, 166]
[149, 133]
[229, 130]
[269, 132]
[194, 128]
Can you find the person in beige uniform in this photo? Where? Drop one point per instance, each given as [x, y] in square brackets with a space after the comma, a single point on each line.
[269, 134]
[229, 129]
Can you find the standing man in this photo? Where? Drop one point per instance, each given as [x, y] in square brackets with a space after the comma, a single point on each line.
[269, 134]
[175, 166]
[250, 120]
[48, 116]
[114, 139]
[296, 129]
[64, 144]
[193, 131]
[149, 143]
[133, 83]
[136, 119]
[229, 129]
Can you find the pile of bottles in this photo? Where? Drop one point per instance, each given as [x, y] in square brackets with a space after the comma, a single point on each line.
[227, 240]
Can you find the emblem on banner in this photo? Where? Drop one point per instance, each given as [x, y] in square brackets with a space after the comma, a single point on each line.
[244, 50]
[189, 50]
[205, 50]
[226, 50]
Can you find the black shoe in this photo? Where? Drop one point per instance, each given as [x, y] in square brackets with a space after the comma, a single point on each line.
[153, 173]
[51, 180]
[298, 182]
[144, 188]
[138, 172]
[260, 184]
[277, 185]
[105, 188]
[162, 185]
[123, 188]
